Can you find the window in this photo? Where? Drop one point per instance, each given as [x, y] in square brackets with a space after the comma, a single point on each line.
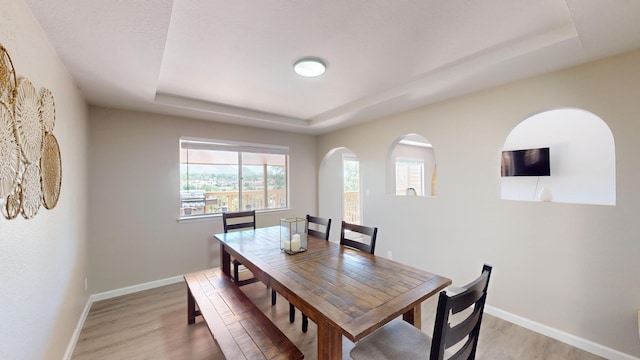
[409, 177]
[219, 176]
[351, 184]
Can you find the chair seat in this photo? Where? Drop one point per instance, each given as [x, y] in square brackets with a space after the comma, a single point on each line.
[452, 338]
[397, 340]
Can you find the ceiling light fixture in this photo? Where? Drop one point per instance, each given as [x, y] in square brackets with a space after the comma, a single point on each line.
[309, 67]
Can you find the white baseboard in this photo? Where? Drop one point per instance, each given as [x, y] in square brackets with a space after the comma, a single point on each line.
[76, 333]
[567, 338]
[108, 295]
[135, 288]
[572, 340]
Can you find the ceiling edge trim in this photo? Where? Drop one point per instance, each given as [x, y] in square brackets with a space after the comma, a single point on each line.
[428, 82]
[221, 109]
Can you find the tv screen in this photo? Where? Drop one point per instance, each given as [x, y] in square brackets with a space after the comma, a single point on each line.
[528, 162]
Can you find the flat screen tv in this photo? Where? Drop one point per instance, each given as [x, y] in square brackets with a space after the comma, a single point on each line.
[527, 162]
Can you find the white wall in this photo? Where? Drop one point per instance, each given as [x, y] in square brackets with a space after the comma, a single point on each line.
[134, 195]
[43, 260]
[570, 267]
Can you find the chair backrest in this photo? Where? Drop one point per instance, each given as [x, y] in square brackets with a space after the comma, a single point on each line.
[445, 335]
[326, 223]
[353, 236]
[239, 220]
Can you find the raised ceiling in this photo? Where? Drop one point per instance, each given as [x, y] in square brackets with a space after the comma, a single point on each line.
[232, 61]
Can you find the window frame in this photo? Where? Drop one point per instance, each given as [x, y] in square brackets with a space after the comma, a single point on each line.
[239, 148]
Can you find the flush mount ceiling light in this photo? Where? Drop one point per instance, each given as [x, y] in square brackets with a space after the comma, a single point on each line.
[309, 67]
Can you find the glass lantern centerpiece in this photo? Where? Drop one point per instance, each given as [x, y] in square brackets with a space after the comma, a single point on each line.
[293, 235]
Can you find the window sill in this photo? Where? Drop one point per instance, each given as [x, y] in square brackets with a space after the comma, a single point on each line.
[208, 217]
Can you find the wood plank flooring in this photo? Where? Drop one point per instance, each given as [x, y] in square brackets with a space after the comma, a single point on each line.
[152, 324]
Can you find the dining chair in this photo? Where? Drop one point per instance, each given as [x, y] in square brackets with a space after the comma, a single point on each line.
[240, 220]
[315, 228]
[401, 340]
[355, 236]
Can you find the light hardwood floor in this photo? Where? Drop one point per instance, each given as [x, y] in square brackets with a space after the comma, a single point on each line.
[152, 324]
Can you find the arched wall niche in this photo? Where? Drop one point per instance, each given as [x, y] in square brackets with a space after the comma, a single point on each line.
[334, 201]
[581, 153]
[411, 167]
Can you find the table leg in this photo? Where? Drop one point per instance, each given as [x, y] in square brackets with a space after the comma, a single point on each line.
[329, 342]
[225, 261]
[191, 308]
[414, 316]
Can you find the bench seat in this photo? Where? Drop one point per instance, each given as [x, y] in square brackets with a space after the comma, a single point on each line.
[240, 329]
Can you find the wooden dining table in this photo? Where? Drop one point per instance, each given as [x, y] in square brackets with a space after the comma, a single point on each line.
[344, 291]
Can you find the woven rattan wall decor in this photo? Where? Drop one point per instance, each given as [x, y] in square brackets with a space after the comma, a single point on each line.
[30, 162]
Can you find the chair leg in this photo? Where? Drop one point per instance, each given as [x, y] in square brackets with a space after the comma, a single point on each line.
[273, 297]
[305, 323]
[292, 313]
[235, 273]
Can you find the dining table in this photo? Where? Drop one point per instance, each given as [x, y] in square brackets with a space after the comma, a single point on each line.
[346, 292]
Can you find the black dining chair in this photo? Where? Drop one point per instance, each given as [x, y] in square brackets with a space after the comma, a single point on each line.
[320, 228]
[401, 340]
[359, 237]
[240, 220]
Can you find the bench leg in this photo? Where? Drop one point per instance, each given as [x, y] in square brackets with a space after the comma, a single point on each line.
[191, 308]
[273, 297]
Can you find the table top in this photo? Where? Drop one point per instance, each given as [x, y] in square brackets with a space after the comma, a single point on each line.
[354, 291]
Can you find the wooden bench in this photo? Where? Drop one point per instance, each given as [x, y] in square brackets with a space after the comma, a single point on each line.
[240, 329]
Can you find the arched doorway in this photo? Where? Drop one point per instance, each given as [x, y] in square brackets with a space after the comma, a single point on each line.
[339, 188]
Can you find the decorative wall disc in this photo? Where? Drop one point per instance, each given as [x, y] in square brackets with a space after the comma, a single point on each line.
[47, 110]
[29, 132]
[13, 203]
[50, 171]
[9, 152]
[30, 162]
[7, 77]
[31, 191]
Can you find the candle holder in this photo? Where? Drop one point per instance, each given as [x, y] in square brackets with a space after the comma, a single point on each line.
[293, 235]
